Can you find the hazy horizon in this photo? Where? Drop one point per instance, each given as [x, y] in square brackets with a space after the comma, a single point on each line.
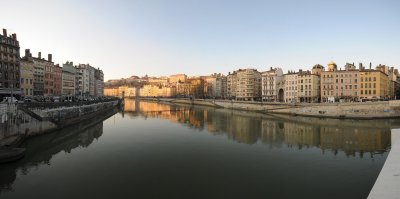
[161, 38]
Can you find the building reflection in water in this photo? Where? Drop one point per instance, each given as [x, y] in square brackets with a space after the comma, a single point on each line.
[334, 135]
[40, 150]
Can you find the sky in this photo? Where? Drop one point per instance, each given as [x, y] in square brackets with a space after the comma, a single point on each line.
[200, 37]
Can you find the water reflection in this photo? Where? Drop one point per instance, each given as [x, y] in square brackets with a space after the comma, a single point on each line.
[40, 150]
[350, 136]
[146, 153]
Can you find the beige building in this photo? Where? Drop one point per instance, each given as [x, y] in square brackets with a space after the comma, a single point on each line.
[214, 86]
[269, 83]
[193, 87]
[290, 82]
[231, 82]
[308, 87]
[26, 70]
[248, 86]
[220, 90]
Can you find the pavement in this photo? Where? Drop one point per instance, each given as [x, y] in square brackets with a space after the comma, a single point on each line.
[387, 186]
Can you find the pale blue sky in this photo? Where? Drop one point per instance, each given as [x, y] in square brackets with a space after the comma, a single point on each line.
[199, 37]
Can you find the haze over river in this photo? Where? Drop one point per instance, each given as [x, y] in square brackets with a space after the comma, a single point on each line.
[152, 150]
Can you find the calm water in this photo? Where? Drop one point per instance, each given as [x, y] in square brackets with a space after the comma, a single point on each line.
[162, 151]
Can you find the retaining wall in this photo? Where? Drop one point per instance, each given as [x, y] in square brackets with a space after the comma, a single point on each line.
[20, 122]
[357, 110]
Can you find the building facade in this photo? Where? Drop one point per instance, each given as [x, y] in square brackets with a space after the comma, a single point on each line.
[248, 85]
[99, 83]
[49, 77]
[269, 83]
[220, 87]
[39, 65]
[178, 78]
[373, 85]
[26, 71]
[9, 65]
[290, 82]
[339, 85]
[231, 83]
[82, 80]
[57, 80]
[68, 79]
[308, 87]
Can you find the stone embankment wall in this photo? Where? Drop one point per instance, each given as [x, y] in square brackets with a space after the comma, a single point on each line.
[26, 120]
[358, 110]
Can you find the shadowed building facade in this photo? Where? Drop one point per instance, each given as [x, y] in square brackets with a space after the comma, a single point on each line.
[9, 65]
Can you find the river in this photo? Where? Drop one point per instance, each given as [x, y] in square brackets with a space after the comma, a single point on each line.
[152, 150]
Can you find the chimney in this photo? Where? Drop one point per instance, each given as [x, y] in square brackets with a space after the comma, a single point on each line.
[27, 53]
[14, 36]
[271, 67]
[49, 57]
[361, 67]
[40, 55]
[4, 32]
[370, 65]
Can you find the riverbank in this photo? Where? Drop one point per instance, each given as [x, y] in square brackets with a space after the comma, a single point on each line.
[357, 110]
[388, 182]
[28, 120]
[35, 119]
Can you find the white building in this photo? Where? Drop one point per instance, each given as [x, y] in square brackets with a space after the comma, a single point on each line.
[270, 79]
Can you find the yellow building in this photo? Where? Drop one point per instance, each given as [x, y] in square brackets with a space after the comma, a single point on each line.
[130, 92]
[111, 92]
[157, 91]
[149, 91]
[26, 70]
[373, 85]
[173, 79]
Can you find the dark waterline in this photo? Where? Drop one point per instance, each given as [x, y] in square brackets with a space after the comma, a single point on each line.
[167, 151]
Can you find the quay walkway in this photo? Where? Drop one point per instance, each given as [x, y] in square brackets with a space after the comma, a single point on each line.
[387, 186]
